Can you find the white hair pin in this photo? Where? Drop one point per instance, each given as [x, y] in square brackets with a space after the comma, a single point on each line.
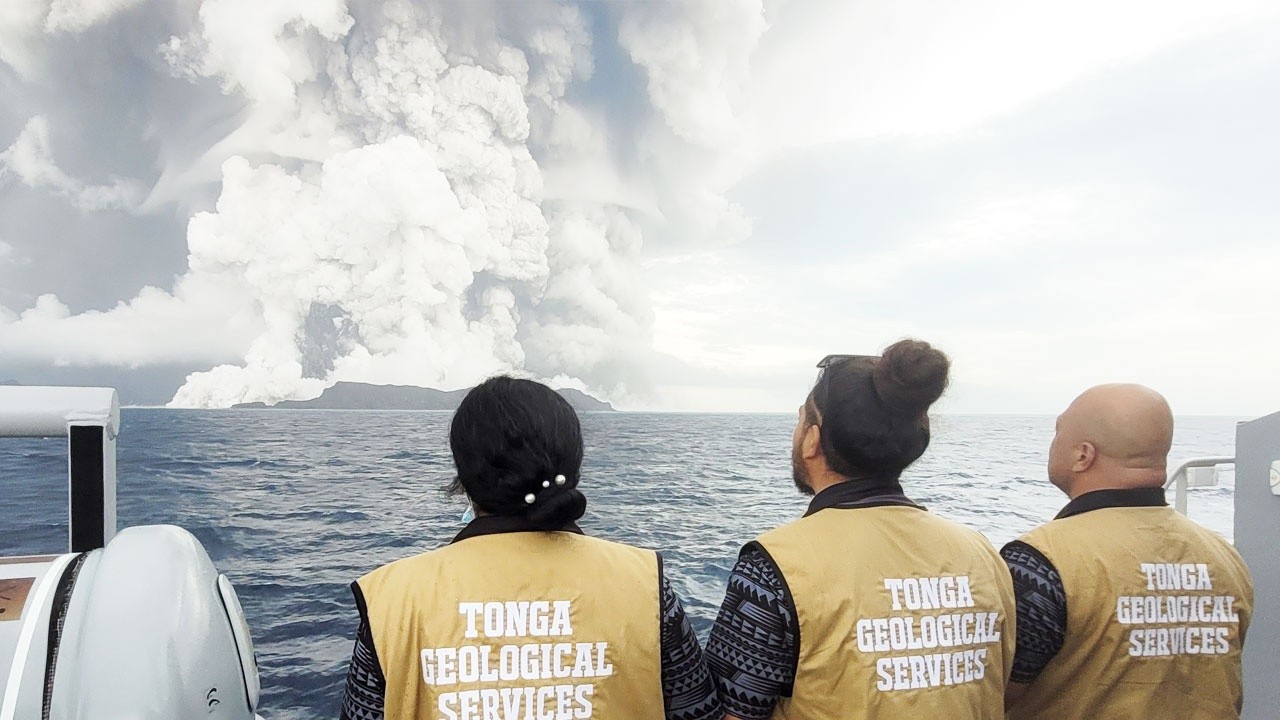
[559, 480]
[528, 499]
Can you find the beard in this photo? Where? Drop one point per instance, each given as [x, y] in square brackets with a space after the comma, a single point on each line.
[798, 474]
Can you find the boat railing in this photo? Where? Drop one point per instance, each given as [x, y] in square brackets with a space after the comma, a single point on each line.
[1194, 473]
[90, 420]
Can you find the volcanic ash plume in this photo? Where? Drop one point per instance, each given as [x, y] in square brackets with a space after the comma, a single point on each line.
[412, 193]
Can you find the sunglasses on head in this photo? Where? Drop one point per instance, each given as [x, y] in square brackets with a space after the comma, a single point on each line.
[829, 362]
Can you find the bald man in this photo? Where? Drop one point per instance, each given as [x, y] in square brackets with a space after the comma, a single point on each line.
[1126, 609]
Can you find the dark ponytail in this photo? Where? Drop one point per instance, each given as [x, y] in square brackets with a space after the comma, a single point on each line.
[512, 440]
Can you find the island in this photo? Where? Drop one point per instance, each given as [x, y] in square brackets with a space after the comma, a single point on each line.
[363, 396]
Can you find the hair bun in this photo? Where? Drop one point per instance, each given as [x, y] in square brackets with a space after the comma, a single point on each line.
[556, 507]
[910, 376]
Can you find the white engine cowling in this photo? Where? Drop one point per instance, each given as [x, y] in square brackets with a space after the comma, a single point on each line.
[143, 629]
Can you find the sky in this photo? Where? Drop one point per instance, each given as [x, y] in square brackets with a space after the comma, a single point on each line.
[673, 205]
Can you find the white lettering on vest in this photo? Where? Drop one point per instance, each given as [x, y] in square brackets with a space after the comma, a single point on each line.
[914, 672]
[1177, 576]
[471, 609]
[534, 663]
[1185, 624]
[517, 618]
[547, 702]
[956, 633]
[930, 593]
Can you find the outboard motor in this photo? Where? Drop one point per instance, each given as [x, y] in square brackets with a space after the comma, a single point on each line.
[136, 625]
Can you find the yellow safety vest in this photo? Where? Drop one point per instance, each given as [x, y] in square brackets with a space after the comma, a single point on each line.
[1157, 609]
[902, 615]
[519, 626]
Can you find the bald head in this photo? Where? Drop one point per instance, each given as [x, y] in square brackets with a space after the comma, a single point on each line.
[1112, 436]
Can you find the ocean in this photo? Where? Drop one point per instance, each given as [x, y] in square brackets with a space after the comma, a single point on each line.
[294, 505]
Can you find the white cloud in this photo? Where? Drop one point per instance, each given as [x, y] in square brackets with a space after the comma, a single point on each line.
[153, 328]
[380, 237]
[259, 381]
[78, 15]
[381, 206]
[417, 192]
[263, 53]
[30, 160]
[27, 25]
[260, 49]
[382, 212]
[558, 281]
[593, 318]
[696, 57]
[19, 24]
[1035, 292]
[838, 71]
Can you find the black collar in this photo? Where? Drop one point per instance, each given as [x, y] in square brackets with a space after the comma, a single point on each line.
[499, 524]
[1099, 499]
[850, 494]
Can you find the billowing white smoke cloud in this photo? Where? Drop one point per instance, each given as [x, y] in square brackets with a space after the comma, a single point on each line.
[380, 243]
[212, 320]
[696, 57]
[420, 247]
[413, 193]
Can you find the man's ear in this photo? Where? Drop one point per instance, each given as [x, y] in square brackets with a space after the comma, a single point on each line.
[1085, 455]
[811, 442]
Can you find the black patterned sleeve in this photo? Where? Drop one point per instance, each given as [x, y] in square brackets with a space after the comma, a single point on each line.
[1042, 610]
[753, 642]
[688, 692]
[366, 686]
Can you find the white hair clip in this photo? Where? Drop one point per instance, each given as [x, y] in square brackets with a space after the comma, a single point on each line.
[546, 483]
[528, 499]
[559, 480]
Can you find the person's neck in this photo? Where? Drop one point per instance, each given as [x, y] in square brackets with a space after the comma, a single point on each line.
[822, 478]
[1131, 479]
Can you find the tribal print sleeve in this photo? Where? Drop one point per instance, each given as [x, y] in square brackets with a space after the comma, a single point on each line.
[366, 687]
[1042, 610]
[752, 646]
[687, 689]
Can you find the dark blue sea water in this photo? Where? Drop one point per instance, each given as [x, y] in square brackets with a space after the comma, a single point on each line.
[295, 505]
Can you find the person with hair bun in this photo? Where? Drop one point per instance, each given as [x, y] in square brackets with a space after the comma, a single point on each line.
[868, 606]
[522, 615]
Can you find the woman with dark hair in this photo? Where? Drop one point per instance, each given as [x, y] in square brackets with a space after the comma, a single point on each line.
[868, 606]
[522, 616]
